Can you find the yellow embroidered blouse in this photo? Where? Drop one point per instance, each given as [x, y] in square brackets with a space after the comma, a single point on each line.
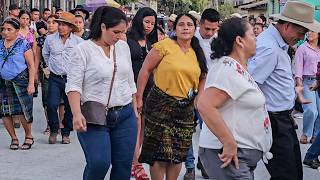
[178, 72]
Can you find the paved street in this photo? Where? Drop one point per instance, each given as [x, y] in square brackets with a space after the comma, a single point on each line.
[66, 162]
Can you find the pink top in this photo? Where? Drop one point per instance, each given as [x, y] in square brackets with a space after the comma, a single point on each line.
[307, 59]
[30, 37]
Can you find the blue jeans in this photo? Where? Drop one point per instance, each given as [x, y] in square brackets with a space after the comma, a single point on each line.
[114, 145]
[189, 164]
[199, 118]
[311, 115]
[56, 89]
[314, 150]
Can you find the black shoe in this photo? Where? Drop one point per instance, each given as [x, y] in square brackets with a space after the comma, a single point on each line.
[203, 172]
[190, 174]
[313, 163]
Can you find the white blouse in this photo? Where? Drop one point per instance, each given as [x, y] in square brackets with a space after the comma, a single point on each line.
[244, 113]
[90, 73]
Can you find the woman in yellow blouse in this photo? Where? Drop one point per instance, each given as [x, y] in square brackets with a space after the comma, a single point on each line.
[179, 71]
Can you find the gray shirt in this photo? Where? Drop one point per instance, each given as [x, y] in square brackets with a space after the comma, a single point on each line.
[56, 54]
[271, 69]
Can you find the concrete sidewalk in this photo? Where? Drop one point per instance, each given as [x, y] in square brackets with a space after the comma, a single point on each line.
[66, 162]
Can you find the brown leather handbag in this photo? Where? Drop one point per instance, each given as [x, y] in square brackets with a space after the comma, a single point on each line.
[95, 112]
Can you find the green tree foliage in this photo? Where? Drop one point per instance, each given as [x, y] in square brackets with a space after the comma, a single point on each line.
[126, 2]
[226, 9]
[181, 6]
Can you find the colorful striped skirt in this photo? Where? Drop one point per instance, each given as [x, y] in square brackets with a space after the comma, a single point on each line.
[169, 125]
[14, 98]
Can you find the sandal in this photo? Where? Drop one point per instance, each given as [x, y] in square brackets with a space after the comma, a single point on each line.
[139, 173]
[133, 170]
[304, 139]
[14, 144]
[27, 146]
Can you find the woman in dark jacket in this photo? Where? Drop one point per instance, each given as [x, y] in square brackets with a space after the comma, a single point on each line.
[140, 37]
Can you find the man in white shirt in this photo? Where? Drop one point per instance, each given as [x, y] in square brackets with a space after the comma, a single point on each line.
[209, 25]
[35, 17]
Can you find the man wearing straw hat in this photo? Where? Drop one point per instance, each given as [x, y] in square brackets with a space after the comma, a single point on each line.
[56, 53]
[271, 69]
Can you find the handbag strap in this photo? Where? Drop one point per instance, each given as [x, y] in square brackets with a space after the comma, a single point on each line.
[113, 74]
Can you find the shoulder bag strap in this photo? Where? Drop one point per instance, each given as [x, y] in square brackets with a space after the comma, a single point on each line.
[113, 75]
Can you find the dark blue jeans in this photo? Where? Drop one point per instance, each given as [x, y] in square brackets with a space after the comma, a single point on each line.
[104, 145]
[314, 150]
[56, 89]
[189, 164]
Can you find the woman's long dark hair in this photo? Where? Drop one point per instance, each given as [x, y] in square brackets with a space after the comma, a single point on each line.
[136, 32]
[194, 44]
[110, 16]
[227, 34]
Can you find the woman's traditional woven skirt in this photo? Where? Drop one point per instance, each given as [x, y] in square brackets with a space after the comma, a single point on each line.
[14, 98]
[168, 128]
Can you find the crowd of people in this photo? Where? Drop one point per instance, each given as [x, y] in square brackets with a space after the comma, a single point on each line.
[135, 92]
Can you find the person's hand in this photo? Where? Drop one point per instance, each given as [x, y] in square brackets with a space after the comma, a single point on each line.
[46, 72]
[301, 98]
[314, 86]
[139, 106]
[79, 123]
[30, 89]
[36, 78]
[229, 154]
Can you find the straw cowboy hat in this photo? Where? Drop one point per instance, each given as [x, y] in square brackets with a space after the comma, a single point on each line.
[68, 18]
[300, 13]
[113, 3]
[236, 15]
[173, 17]
[195, 14]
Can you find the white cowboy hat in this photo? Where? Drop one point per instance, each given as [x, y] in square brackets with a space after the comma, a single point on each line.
[300, 13]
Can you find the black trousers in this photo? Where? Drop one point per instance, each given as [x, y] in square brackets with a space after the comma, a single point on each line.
[286, 162]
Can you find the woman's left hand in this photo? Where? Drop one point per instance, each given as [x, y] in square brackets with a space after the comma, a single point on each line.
[314, 86]
[30, 89]
[229, 154]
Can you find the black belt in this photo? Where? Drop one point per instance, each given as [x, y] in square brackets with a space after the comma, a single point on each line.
[118, 108]
[310, 78]
[58, 76]
[285, 112]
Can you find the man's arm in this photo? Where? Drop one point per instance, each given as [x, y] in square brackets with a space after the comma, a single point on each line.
[262, 64]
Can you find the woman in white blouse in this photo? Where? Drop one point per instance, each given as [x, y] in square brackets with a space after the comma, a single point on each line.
[90, 75]
[237, 130]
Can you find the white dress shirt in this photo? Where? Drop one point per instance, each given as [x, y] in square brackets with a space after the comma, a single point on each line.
[90, 73]
[206, 47]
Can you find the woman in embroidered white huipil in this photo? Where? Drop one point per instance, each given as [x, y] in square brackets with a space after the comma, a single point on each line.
[237, 131]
